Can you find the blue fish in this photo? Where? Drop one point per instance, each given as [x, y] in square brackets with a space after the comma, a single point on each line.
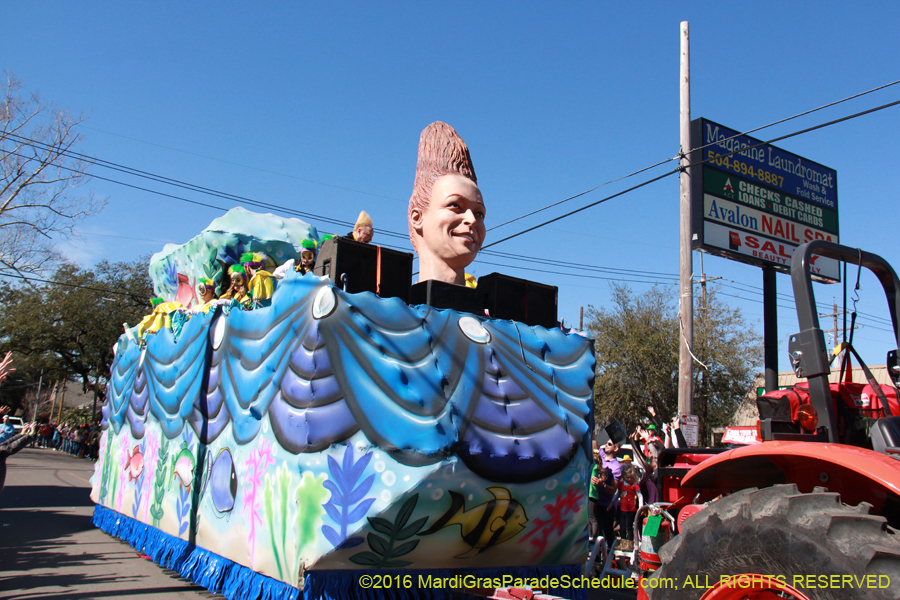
[221, 480]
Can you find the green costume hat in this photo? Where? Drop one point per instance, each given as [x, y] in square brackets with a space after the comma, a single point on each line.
[310, 245]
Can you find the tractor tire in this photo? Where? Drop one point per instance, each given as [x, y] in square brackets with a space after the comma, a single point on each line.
[782, 533]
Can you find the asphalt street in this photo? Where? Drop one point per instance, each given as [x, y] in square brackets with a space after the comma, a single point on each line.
[50, 550]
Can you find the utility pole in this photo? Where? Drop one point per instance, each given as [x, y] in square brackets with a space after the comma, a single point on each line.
[581, 318]
[38, 400]
[55, 395]
[834, 331]
[61, 402]
[686, 305]
[703, 280]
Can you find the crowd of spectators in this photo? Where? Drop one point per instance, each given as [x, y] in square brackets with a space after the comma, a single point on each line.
[620, 485]
[79, 440]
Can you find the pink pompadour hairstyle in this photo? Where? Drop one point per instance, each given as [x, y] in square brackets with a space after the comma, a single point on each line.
[441, 152]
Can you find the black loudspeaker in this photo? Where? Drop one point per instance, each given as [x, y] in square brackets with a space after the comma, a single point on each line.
[447, 295]
[357, 267]
[521, 300]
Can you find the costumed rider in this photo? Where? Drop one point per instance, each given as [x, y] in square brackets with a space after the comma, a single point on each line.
[206, 291]
[362, 229]
[261, 285]
[307, 257]
[446, 209]
[237, 291]
[304, 265]
[160, 317]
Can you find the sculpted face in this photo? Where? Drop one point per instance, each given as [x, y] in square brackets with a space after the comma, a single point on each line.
[451, 229]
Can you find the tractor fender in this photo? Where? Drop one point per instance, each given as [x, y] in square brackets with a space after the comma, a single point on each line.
[858, 474]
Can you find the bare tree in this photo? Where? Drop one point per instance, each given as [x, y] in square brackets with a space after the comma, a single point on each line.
[40, 179]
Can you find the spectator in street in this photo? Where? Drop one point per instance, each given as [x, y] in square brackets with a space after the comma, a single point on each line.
[628, 502]
[602, 490]
[674, 438]
[652, 443]
[649, 462]
[47, 430]
[78, 437]
[7, 430]
[94, 442]
[608, 458]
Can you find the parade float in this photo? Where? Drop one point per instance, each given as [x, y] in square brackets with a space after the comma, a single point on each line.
[328, 444]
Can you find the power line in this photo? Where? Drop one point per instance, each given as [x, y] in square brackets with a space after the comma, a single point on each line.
[561, 263]
[824, 106]
[173, 182]
[228, 162]
[662, 162]
[30, 279]
[701, 162]
[534, 212]
[209, 191]
[569, 274]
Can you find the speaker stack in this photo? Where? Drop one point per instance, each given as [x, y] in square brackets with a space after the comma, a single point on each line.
[521, 300]
[357, 267]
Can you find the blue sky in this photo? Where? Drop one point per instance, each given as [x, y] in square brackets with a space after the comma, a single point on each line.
[317, 107]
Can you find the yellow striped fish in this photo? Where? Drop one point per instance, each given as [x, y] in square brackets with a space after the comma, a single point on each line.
[485, 525]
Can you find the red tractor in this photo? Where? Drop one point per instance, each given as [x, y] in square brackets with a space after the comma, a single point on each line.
[813, 511]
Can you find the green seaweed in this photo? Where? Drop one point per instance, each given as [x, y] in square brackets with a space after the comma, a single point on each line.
[159, 484]
[284, 484]
[310, 495]
[104, 473]
[268, 489]
[279, 505]
[383, 550]
[113, 479]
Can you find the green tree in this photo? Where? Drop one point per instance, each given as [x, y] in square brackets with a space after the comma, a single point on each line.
[636, 342]
[69, 326]
[731, 352]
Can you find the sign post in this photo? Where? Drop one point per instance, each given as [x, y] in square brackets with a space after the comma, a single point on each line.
[690, 429]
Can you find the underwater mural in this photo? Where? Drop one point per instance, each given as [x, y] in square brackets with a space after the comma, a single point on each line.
[332, 432]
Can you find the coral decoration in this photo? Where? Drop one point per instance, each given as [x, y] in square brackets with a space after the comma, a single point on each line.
[567, 504]
[255, 467]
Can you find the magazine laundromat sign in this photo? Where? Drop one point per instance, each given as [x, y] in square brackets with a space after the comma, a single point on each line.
[755, 203]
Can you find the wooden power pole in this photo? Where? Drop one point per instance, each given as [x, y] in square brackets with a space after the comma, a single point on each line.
[686, 305]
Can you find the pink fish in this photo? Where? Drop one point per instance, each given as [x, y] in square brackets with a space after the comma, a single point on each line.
[135, 465]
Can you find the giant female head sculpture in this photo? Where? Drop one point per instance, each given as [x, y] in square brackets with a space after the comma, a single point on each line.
[446, 210]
